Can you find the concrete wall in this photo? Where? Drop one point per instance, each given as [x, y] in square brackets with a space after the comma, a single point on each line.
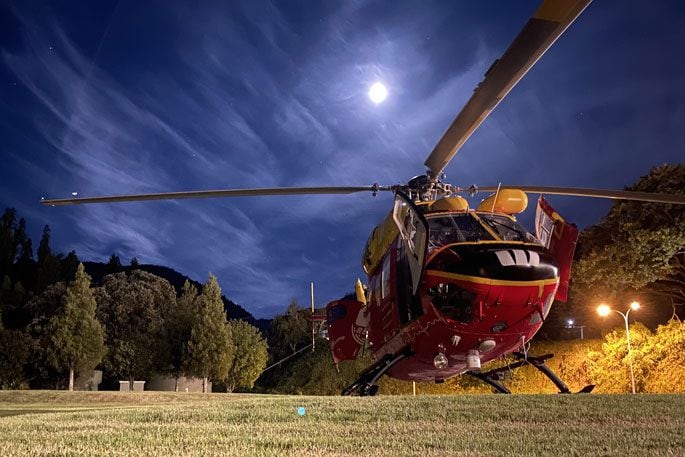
[166, 383]
[135, 386]
[89, 381]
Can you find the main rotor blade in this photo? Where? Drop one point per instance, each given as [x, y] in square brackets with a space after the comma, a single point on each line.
[541, 31]
[596, 193]
[218, 193]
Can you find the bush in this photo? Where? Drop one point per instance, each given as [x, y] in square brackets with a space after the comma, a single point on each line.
[14, 353]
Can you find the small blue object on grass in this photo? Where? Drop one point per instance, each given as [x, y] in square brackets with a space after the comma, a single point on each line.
[300, 410]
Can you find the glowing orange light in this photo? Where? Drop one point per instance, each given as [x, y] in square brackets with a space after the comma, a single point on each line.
[603, 310]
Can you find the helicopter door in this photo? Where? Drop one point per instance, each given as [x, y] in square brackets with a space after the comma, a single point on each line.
[414, 233]
[560, 238]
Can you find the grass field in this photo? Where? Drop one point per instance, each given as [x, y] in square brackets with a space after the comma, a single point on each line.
[169, 424]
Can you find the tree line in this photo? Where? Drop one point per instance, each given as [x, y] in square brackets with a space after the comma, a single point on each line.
[636, 252]
[55, 324]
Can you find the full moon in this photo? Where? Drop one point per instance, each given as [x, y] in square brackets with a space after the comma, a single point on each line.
[378, 93]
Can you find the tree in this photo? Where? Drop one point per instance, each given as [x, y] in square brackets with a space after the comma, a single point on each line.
[14, 353]
[210, 348]
[39, 312]
[610, 367]
[22, 241]
[178, 325]
[114, 264]
[658, 360]
[249, 356]
[662, 359]
[42, 307]
[48, 264]
[634, 245]
[639, 258]
[8, 242]
[76, 335]
[672, 287]
[16, 252]
[5, 293]
[131, 309]
[69, 266]
[134, 264]
[289, 331]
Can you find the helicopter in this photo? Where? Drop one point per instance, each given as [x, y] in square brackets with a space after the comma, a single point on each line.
[451, 288]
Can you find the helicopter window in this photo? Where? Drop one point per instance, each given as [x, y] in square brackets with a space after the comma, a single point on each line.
[385, 280]
[455, 228]
[507, 229]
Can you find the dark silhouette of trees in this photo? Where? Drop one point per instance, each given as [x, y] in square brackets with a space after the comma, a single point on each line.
[69, 265]
[114, 264]
[40, 310]
[14, 353]
[48, 264]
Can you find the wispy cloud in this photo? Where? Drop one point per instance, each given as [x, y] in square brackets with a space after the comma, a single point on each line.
[264, 94]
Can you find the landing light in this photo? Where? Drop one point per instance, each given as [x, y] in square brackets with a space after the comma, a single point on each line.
[440, 361]
[487, 346]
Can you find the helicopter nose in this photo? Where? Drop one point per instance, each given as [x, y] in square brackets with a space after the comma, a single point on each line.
[463, 280]
[500, 262]
[520, 264]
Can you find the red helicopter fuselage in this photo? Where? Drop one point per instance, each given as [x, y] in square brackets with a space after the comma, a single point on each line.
[465, 305]
[483, 290]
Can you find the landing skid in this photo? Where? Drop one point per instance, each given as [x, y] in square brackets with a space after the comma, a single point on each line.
[366, 385]
[493, 377]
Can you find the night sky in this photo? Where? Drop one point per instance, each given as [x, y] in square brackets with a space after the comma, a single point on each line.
[130, 97]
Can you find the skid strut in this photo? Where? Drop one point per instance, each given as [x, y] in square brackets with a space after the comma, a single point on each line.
[493, 377]
[366, 383]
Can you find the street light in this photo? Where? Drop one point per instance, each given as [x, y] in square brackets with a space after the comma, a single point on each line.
[571, 324]
[604, 310]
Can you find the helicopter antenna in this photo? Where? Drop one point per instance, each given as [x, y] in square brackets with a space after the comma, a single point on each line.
[311, 288]
[495, 200]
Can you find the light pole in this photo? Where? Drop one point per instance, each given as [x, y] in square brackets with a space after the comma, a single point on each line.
[572, 325]
[604, 310]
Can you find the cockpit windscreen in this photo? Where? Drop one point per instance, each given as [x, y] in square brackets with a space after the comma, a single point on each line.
[506, 228]
[455, 228]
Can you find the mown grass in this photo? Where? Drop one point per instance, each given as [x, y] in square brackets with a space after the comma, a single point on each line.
[218, 424]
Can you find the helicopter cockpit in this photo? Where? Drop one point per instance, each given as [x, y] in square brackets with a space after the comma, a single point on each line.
[455, 228]
[507, 229]
[468, 227]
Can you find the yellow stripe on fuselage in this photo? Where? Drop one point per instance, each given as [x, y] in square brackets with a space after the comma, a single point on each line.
[490, 281]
